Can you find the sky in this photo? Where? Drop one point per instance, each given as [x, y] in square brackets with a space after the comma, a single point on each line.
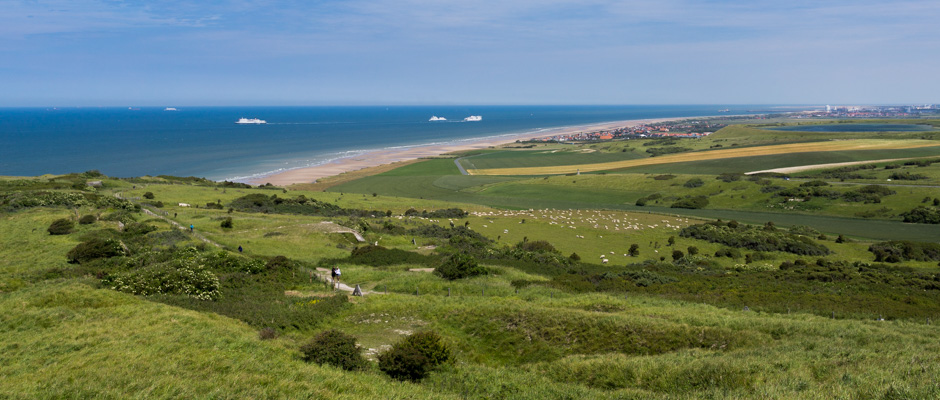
[399, 52]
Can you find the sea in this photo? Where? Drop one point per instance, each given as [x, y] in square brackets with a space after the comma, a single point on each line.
[206, 142]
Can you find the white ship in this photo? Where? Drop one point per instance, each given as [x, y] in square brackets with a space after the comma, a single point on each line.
[170, 109]
[255, 121]
[436, 118]
[473, 118]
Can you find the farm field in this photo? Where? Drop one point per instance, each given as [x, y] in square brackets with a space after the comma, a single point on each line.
[853, 145]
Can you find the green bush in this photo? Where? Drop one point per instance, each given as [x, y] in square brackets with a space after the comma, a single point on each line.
[93, 249]
[87, 219]
[537, 245]
[334, 348]
[183, 277]
[752, 238]
[458, 266]
[922, 215]
[694, 183]
[415, 356]
[227, 223]
[278, 262]
[691, 203]
[149, 195]
[61, 226]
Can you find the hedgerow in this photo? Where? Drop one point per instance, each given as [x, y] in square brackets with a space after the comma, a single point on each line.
[752, 238]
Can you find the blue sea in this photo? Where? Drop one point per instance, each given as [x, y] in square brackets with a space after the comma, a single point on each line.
[206, 142]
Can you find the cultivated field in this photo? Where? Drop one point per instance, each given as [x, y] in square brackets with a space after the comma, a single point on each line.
[813, 147]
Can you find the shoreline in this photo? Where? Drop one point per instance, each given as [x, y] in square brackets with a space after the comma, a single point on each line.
[374, 158]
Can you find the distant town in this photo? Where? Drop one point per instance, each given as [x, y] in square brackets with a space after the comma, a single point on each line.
[701, 128]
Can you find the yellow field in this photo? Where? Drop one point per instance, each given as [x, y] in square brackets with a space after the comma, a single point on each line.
[835, 145]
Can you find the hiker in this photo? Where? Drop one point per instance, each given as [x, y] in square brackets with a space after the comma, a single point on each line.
[239, 248]
[335, 274]
[191, 227]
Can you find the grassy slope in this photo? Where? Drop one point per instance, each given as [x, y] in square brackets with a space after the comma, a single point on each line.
[64, 338]
[67, 340]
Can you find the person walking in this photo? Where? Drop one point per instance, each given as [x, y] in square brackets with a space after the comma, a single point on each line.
[191, 227]
[334, 273]
[239, 248]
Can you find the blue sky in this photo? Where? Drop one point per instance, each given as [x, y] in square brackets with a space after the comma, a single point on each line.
[244, 52]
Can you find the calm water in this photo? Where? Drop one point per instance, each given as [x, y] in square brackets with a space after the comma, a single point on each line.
[857, 128]
[205, 141]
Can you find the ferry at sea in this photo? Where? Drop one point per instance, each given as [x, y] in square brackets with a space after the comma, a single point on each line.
[249, 121]
[436, 118]
[473, 118]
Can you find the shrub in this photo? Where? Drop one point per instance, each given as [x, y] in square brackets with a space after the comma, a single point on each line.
[574, 257]
[61, 226]
[138, 228]
[267, 333]
[278, 262]
[458, 266]
[677, 255]
[693, 183]
[537, 245]
[415, 356]
[334, 348]
[903, 250]
[183, 277]
[729, 177]
[634, 250]
[87, 219]
[93, 249]
[641, 201]
[691, 203]
[753, 238]
[149, 195]
[922, 215]
[227, 223]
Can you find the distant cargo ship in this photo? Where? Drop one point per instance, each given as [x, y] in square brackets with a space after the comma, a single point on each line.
[436, 118]
[170, 109]
[255, 121]
[473, 118]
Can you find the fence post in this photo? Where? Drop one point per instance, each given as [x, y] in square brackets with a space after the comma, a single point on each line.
[448, 292]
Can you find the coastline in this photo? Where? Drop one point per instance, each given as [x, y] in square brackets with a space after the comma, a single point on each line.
[387, 156]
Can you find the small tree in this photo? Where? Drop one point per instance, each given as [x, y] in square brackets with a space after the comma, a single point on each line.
[149, 195]
[634, 250]
[335, 348]
[61, 226]
[227, 223]
[574, 257]
[459, 265]
[415, 356]
[692, 250]
[672, 240]
[677, 255]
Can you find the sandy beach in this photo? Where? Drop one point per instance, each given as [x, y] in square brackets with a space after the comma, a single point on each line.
[381, 157]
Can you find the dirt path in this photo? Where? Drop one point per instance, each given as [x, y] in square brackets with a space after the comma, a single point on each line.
[180, 227]
[801, 168]
[324, 275]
